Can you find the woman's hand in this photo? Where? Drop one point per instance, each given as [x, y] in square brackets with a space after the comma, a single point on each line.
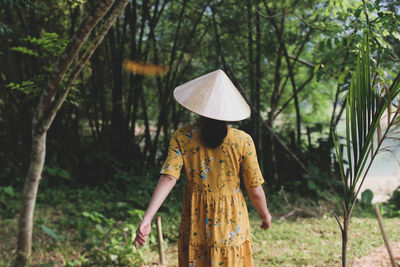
[257, 196]
[164, 186]
[266, 221]
[142, 233]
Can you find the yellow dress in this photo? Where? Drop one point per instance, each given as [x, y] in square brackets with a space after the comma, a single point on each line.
[215, 229]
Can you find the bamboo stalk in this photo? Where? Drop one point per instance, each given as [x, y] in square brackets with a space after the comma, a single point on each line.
[389, 249]
[160, 241]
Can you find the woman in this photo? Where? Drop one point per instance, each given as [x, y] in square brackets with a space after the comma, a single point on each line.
[215, 228]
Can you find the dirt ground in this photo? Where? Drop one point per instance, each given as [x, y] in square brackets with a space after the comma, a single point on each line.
[379, 257]
[382, 187]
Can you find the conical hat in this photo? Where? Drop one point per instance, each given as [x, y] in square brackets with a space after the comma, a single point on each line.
[213, 96]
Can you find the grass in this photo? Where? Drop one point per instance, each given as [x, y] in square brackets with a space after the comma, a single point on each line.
[317, 241]
[86, 227]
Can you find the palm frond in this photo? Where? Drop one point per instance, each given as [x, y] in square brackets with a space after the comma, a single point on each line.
[365, 108]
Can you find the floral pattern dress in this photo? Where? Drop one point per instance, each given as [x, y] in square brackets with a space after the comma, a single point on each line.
[215, 229]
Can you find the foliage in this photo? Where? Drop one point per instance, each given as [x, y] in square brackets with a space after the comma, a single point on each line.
[366, 104]
[316, 182]
[4, 4]
[366, 197]
[391, 208]
[98, 224]
[77, 3]
[49, 46]
[8, 198]
[4, 29]
[18, 3]
[111, 242]
[46, 48]
[113, 132]
[88, 227]
[50, 232]
[53, 170]
[25, 87]
[365, 108]
[115, 114]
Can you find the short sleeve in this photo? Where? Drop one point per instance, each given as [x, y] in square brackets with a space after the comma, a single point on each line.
[174, 162]
[250, 169]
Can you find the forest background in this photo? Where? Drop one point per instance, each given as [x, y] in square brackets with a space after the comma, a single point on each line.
[291, 59]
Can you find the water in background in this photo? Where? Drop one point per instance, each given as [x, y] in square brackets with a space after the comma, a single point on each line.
[384, 175]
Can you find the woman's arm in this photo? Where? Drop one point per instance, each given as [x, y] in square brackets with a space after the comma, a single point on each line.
[164, 186]
[257, 197]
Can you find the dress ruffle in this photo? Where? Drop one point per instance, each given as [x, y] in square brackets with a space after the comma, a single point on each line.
[214, 230]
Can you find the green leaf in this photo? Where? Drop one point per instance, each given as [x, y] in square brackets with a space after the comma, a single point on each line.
[366, 197]
[317, 67]
[311, 185]
[385, 32]
[357, 12]
[339, 157]
[342, 77]
[364, 110]
[50, 232]
[100, 228]
[396, 35]
[9, 190]
[94, 216]
[370, 7]
[113, 257]
[64, 174]
[25, 51]
[26, 87]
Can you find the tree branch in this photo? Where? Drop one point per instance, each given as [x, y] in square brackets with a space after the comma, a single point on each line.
[272, 16]
[308, 64]
[273, 133]
[76, 70]
[67, 58]
[279, 35]
[291, 98]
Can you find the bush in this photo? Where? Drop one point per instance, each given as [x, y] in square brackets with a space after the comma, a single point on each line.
[8, 202]
[108, 242]
[392, 206]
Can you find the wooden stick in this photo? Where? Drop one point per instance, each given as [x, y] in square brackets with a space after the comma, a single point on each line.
[160, 241]
[389, 249]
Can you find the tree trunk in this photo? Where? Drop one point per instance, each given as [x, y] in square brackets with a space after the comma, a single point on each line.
[274, 162]
[117, 121]
[169, 81]
[250, 48]
[279, 33]
[29, 198]
[147, 146]
[50, 102]
[257, 103]
[346, 221]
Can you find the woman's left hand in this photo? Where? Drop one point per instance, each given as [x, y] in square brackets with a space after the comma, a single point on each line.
[142, 233]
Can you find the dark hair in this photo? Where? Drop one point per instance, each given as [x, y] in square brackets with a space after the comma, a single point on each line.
[213, 132]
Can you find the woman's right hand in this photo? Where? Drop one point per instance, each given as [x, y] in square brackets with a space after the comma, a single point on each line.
[266, 221]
